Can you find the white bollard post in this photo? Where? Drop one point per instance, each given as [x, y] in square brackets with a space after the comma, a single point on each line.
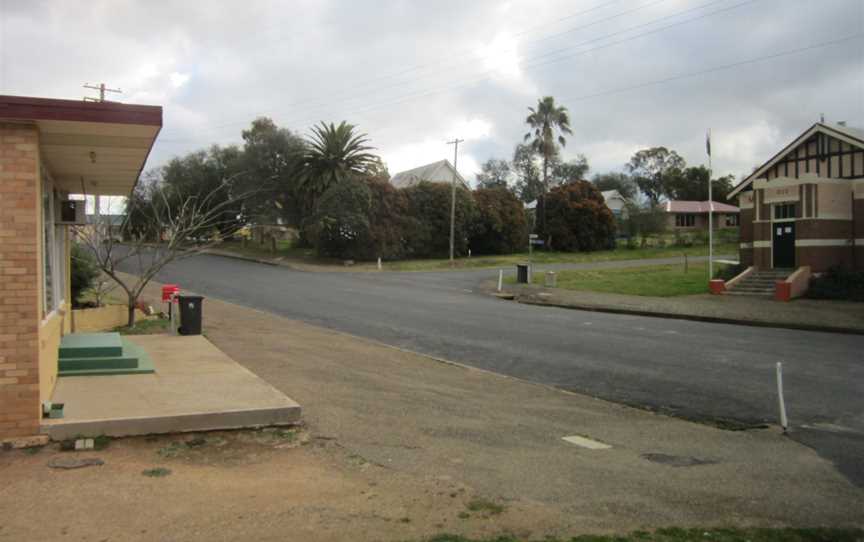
[784, 422]
[379, 263]
[500, 279]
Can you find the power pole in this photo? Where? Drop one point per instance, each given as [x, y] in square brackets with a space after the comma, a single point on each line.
[710, 210]
[102, 90]
[455, 144]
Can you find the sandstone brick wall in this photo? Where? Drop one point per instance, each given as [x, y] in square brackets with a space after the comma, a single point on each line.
[19, 280]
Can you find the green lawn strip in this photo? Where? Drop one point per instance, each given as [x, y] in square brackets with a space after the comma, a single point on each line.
[651, 281]
[691, 535]
[155, 326]
[542, 257]
[286, 252]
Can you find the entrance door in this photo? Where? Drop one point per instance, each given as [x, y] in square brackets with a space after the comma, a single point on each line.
[784, 244]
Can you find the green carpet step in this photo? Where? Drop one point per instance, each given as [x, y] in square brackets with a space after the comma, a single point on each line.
[112, 362]
[103, 366]
[91, 345]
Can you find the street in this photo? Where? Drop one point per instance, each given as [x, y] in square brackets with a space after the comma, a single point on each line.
[696, 370]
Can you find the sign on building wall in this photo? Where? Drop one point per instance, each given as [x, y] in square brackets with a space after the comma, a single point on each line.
[781, 193]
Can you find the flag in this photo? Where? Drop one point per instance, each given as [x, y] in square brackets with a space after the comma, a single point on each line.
[708, 142]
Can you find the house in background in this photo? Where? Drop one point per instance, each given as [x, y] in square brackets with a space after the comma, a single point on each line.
[436, 172]
[805, 206]
[616, 202]
[693, 215]
[50, 149]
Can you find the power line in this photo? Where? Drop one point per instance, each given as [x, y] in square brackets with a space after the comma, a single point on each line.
[484, 76]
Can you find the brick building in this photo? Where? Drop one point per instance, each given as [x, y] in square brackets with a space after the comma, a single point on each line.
[48, 150]
[805, 206]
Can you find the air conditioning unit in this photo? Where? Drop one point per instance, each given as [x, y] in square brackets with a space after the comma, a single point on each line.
[70, 212]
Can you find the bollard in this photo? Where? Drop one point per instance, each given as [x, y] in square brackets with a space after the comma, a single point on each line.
[379, 263]
[500, 279]
[784, 422]
[551, 279]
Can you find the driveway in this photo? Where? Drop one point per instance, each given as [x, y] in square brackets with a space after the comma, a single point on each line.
[691, 369]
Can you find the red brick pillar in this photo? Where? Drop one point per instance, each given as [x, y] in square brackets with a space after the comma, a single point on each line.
[19, 280]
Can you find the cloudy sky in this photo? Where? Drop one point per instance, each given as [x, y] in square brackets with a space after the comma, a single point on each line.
[412, 74]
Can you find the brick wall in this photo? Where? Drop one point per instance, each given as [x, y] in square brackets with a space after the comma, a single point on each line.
[19, 280]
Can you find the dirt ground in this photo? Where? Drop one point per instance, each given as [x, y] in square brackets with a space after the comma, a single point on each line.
[398, 446]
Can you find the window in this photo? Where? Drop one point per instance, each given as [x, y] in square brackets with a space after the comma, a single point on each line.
[685, 221]
[783, 211]
[53, 252]
[731, 220]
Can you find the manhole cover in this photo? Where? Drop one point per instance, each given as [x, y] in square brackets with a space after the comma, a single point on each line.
[677, 460]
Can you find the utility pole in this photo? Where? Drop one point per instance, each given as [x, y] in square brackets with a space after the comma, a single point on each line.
[102, 90]
[455, 144]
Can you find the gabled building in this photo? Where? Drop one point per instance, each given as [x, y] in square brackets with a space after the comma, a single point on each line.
[693, 215]
[616, 202]
[804, 207]
[436, 172]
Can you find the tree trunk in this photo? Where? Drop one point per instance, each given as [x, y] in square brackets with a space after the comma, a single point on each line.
[541, 204]
[131, 307]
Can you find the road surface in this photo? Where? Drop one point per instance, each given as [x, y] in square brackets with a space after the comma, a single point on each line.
[696, 370]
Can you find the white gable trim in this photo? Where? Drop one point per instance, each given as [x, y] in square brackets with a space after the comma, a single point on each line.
[818, 127]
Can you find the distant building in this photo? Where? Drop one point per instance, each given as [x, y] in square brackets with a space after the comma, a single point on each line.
[436, 172]
[615, 201]
[693, 215]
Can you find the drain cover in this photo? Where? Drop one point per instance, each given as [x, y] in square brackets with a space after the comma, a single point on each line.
[677, 460]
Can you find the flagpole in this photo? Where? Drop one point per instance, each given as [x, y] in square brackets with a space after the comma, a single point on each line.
[710, 214]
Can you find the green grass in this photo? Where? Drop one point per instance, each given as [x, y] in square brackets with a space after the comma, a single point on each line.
[155, 326]
[308, 256]
[544, 257]
[652, 281]
[158, 472]
[691, 535]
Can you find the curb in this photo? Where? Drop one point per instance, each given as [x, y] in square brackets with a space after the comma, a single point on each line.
[241, 257]
[695, 317]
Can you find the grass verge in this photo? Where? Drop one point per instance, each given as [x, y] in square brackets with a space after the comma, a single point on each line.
[155, 326]
[692, 535]
[651, 281]
[287, 253]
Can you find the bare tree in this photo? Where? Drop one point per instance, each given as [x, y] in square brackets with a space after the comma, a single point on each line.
[174, 228]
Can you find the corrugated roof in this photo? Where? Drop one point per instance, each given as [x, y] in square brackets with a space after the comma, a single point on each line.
[436, 172]
[697, 207]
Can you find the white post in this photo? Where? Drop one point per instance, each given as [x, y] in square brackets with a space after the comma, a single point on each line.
[784, 422]
[379, 263]
[500, 279]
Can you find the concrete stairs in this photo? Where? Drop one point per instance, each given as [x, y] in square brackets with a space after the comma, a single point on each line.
[760, 283]
[86, 354]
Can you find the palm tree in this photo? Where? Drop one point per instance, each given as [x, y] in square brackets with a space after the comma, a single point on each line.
[545, 121]
[333, 154]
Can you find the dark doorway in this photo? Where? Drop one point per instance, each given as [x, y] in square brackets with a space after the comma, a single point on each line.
[784, 244]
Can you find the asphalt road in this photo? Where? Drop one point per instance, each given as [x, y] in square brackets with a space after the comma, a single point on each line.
[696, 370]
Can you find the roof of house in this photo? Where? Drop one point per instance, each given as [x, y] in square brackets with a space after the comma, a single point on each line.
[697, 207]
[612, 194]
[853, 136]
[89, 147]
[436, 172]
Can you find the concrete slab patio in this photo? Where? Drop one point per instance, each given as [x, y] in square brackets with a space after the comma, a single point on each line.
[195, 387]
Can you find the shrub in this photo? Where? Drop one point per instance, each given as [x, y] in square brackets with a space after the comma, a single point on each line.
[577, 218]
[500, 226]
[428, 227]
[339, 227]
[838, 284]
[84, 272]
[728, 272]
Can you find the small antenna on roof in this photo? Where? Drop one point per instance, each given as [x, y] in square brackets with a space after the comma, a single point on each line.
[102, 90]
[822, 118]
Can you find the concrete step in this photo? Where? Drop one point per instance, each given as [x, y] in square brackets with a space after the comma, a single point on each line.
[90, 345]
[752, 294]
